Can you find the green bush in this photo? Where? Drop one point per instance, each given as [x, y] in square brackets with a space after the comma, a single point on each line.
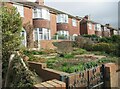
[68, 56]
[63, 47]
[79, 51]
[104, 47]
[112, 39]
[84, 43]
[34, 52]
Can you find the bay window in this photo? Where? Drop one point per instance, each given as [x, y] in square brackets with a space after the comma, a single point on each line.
[42, 34]
[62, 18]
[20, 9]
[74, 22]
[41, 13]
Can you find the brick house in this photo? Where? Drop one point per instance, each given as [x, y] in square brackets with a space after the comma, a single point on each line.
[47, 21]
[90, 27]
[87, 26]
[52, 24]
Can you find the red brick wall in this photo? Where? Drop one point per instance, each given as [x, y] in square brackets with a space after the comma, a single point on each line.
[91, 31]
[74, 29]
[47, 44]
[83, 27]
[111, 75]
[27, 15]
[41, 23]
[53, 24]
[46, 73]
[98, 33]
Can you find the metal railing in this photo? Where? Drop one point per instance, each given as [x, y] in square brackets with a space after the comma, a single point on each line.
[61, 37]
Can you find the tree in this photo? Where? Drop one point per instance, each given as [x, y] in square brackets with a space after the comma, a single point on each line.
[29, 30]
[11, 39]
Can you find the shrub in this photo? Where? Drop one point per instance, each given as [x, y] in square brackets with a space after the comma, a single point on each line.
[104, 47]
[68, 56]
[63, 46]
[11, 26]
[79, 51]
[84, 43]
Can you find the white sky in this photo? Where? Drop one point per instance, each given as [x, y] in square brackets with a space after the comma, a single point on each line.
[103, 11]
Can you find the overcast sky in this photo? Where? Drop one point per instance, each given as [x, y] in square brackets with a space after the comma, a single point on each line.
[103, 11]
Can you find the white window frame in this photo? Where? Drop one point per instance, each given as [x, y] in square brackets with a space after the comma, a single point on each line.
[74, 22]
[62, 18]
[41, 13]
[42, 34]
[20, 9]
[98, 27]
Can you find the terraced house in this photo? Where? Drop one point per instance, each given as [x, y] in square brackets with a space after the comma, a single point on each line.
[51, 25]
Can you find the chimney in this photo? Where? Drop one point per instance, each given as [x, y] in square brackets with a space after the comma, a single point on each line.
[40, 2]
[108, 25]
[87, 17]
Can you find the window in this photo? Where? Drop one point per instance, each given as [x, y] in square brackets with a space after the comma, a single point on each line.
[90, 26]
[41, 34]
[62, 18]
[74, 22]
[98, 27]
[64, 33]
[41, 13]
[20, 9]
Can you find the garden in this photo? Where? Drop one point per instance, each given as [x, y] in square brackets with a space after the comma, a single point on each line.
[68, 58]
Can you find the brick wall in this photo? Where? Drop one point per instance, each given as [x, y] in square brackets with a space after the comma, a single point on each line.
[74, 29]
[83, 27]
[79, 79]
[41, 23]
[48, 44]
[53, 24]
[46, 73]
[111, 75]
[27, 15]
[91, 31]
[98, 33]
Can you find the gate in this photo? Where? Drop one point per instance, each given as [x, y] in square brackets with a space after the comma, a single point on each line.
[89, 79]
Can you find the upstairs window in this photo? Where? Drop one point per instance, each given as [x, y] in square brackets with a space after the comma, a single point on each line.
[37, 13]
[41, 13]
[98, 27]
[62, 18]
[74, 22]
[20, 9]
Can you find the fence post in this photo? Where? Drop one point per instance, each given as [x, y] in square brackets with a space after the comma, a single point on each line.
[103, 75]
[88, 83]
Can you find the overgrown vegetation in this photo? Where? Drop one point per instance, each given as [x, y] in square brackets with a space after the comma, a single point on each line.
[16, 74]
[19, 76]
[11, 28]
